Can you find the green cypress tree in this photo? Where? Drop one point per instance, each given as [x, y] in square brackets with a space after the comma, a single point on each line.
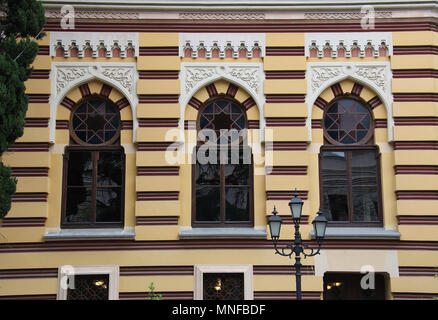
[23, 21]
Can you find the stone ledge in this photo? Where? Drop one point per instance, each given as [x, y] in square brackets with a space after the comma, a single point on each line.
[359, 232]
[222, 233]
[81, 234]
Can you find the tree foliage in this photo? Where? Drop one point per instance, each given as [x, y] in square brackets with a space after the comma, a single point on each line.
[22, 24]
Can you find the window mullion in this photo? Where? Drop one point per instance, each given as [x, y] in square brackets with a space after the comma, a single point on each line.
[222, 197]
[350, 186]
[94, 186]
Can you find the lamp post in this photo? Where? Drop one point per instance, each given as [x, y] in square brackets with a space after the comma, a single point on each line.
[297, 248]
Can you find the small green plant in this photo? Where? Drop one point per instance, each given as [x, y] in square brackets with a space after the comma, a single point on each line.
[152, 295]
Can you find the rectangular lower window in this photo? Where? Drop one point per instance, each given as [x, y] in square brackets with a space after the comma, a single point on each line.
[93, 188]
[223, 286]
[350, 185]
[89, 287]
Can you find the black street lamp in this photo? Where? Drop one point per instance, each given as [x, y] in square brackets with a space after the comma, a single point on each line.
[319, 226]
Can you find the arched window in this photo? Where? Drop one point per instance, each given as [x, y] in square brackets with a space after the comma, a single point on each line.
[94, 166]
[222, 173]
[350, 164]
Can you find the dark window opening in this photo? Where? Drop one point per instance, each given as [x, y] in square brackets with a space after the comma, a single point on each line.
[89, 287]
[222, 171]
[223, 286]
[354, 286]
[350, 164]
[94, 167]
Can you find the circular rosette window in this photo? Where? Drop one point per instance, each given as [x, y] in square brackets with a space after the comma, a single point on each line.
[95, 122]
[347, 121]
[222, 121]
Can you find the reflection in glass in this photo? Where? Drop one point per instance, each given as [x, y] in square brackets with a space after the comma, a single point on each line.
[81, 173]
[79, 204]
[237, 204]
[108, 204]
[207, 203]
[335, 185]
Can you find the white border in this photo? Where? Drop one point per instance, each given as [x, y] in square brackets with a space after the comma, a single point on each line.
[122, 76]
[375, 75]
[246, 269]
[112, 271]
[248, 76]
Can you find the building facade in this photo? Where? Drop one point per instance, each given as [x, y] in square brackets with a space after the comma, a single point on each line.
[336, 101]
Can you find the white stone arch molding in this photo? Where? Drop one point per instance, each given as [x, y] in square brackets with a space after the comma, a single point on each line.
[375, 75]
[66, 76]
[248, 76]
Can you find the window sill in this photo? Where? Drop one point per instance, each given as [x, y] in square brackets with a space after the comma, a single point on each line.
[189, 232]
[82, 234]
[359, 232]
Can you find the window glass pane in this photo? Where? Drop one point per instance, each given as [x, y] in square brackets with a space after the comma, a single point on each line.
[96, 121]
[347, 121]
[237, 203]
[207, 203]
[108, 204]
[89, 287]
[238, 168]
[335, 185]
[223, 286]
[207, 174]
[109, 168]
[364, 184]
[80, 169]
[79, 207]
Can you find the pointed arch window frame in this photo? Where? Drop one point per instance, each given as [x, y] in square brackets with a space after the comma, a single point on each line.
[222, 185]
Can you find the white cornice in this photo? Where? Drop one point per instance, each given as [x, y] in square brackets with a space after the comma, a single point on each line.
[208, 5]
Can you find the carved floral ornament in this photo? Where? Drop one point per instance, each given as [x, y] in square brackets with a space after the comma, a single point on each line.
[248, 76]
[67, 76]
[375, 75]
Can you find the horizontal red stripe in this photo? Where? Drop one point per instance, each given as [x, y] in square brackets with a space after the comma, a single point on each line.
[158, 122]
[38, 98]
[404, 50]
[29, 146]
[406, 97]
[417, 220]
[158, 98]
[40, 74]
[158, 74]
[159, 51]
[285, 122]
[37, 123]
[287, 170]
[285, 98]
[285, 195]
[30, 171]
[311, 26]
[157, 195]
[157, 171]
[415, 73]
[416, 195]
[29, 197]
[416, 121]
[416, 145]
[154, 146]
[23, 222]
[157, 220]
[43, 50]
[288, 146]
[416, 169]
[285, 74]
[285, 51]
[196, 244]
